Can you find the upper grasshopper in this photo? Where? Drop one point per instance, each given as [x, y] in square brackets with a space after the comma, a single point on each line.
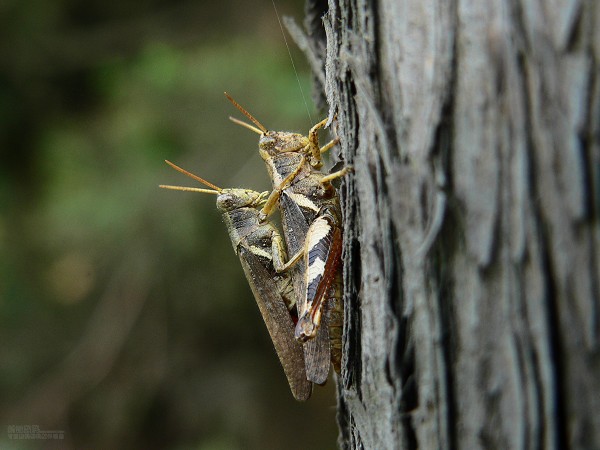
[260, 248]
[311, 220]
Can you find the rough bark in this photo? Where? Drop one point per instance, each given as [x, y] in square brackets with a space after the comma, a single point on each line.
[471, 221]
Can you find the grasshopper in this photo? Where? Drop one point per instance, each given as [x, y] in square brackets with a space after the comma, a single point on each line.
[311, 219]
[260, 248]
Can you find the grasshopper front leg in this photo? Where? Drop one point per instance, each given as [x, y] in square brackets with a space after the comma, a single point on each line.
[313, 145]
[271, 201]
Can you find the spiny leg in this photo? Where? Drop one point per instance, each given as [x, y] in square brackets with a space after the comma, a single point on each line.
[280, 255]
[269, 206]
[336, 320]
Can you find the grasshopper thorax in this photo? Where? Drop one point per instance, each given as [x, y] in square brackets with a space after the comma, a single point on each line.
[230, 199]
[274, 142]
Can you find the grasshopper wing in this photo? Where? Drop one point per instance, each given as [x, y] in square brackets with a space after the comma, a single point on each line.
[267, 288]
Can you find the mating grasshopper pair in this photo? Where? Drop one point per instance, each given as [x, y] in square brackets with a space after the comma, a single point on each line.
[301, 304]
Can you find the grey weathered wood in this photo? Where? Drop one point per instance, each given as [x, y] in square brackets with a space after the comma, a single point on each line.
[472, 241]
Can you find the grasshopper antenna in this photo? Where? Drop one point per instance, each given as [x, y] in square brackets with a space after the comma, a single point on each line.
[215, 189]
[245, 125]
[248, 115]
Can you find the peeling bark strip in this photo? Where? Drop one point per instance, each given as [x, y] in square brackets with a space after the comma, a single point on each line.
[471, 223]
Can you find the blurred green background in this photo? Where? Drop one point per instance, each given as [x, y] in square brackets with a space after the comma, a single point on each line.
[126, 321]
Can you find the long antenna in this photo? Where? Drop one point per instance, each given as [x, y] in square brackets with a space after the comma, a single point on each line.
[245, 125]
[292, 59]
[188, 189]
[191, 175]
[246, 113]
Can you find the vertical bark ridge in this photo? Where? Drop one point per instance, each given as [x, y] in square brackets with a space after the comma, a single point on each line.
[472, 221]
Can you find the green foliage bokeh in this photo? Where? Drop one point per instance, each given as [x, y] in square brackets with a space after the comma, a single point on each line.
[125, 318]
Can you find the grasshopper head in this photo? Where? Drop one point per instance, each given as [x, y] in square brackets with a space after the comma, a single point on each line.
[230, 199]
[272, 143]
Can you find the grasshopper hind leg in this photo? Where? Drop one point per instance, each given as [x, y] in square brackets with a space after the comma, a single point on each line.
[336, 322]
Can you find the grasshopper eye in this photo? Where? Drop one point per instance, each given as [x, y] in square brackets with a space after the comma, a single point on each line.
[267, 142]
[226, 202]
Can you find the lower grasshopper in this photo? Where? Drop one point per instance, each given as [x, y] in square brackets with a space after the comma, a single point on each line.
[260, 248]
[311, 219]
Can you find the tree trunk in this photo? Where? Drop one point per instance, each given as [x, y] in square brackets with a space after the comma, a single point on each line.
[471, 221]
